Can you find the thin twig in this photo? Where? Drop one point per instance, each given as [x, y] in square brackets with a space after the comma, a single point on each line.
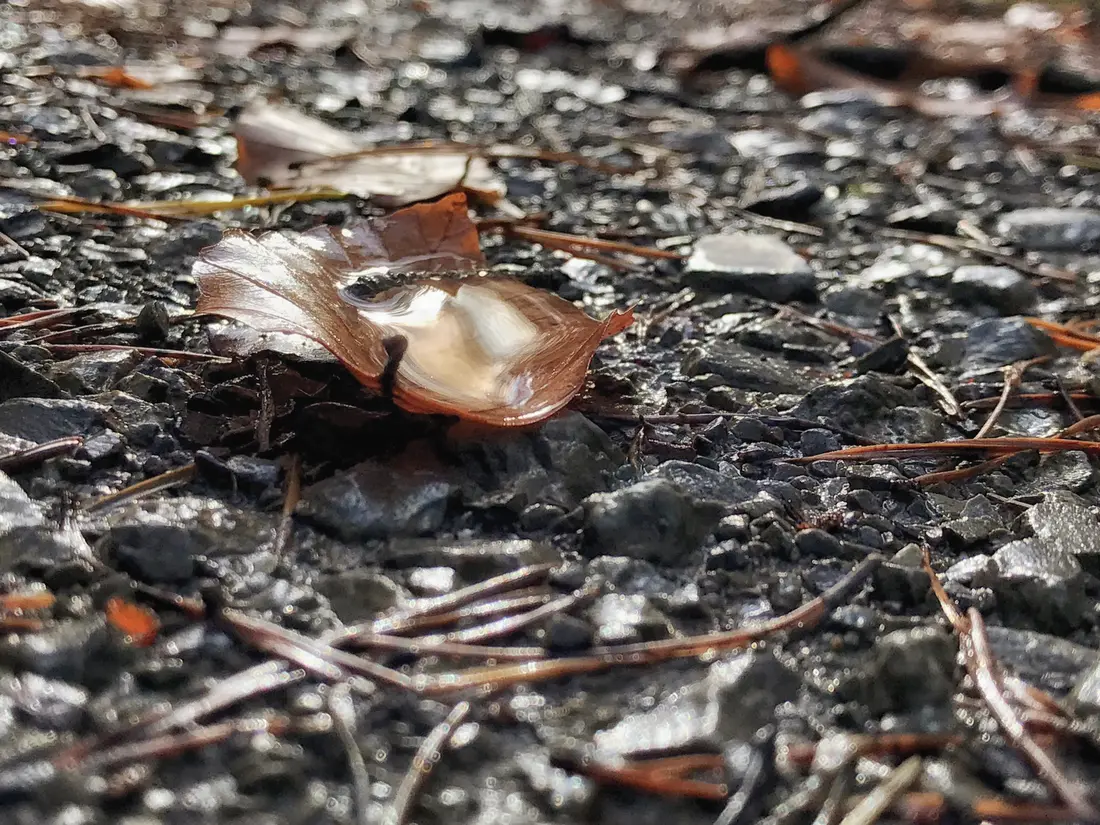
[342, 708]
[427, 755]
[32, 456]
[290, 503]
[179, 355]
[876, 803]
[494, 677]
[995, 446]
[136, 492]
[1013, 375]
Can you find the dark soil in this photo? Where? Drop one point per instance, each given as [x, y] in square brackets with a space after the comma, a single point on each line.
[809, 283]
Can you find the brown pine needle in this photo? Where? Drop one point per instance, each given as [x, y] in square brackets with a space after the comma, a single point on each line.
[182, 208]
[1013, 376]
[994, 446]
[427, 755]
[136, 492]
[983, 671]
[1070, 336]
[947, 476]
[1027, 398]
[21, 459]
[660, 777]
[176, 354]
[512, 624]
[494, 677]
[582, 242]
[290, 504]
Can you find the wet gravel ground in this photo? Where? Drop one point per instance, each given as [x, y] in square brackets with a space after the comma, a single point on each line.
[789, 329]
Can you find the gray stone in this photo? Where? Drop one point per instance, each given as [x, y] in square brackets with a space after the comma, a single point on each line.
[16, 507]
[37, 550]
[621, 618]
[17, 380]
[741, 368]
[976, 571]
[760, 265]
[997, 286]
[64, 650]
[911, 668]
[1052, 229]
[1042, 584]
[50, 704]
[159, 540]
[997, 342]
[1070, 470]
[817, 544]
[356, 595]
[1064, 523]
[1039, 658]
[652, 519]
[406, 497]
[1086, 693]
[474, 559]
[854, 302]
[737, 697]
[872, 406]
[558, 464]
[704, 484]
[40, 419]
[566, 634]
[93, 372]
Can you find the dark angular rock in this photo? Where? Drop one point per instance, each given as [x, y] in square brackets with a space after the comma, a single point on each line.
[817, 544]
[1052, 229]
[741, 368]
[65, 650]
[17, 380]
[737, 697]
[1065, 524]
[854, 302]
[872, 406]
[1070, 470]
[560, 463]
[474, 559]
[1042, 583]
[566, 634]
[1039, 658]
[17, 510]
[889, 357]
[703, 484]
[911, 668]
[405, 497]
[34, 549]
[47, 703]
[160, 540]
[621, 618]
[40, 419]
[997, 342]
[1001, 287]
[356, 595]
[652, 519]
[760, 265]
[93, 372]
[783, 200]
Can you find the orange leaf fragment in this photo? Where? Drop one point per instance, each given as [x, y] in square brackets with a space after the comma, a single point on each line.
[485, 349]
[138, 623]
[30, 600]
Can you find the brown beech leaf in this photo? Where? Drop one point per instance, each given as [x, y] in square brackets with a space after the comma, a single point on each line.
[281, 147]
[485, 349]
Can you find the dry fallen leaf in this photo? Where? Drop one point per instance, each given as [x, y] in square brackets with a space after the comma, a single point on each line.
[484, 349]
[279, 146]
